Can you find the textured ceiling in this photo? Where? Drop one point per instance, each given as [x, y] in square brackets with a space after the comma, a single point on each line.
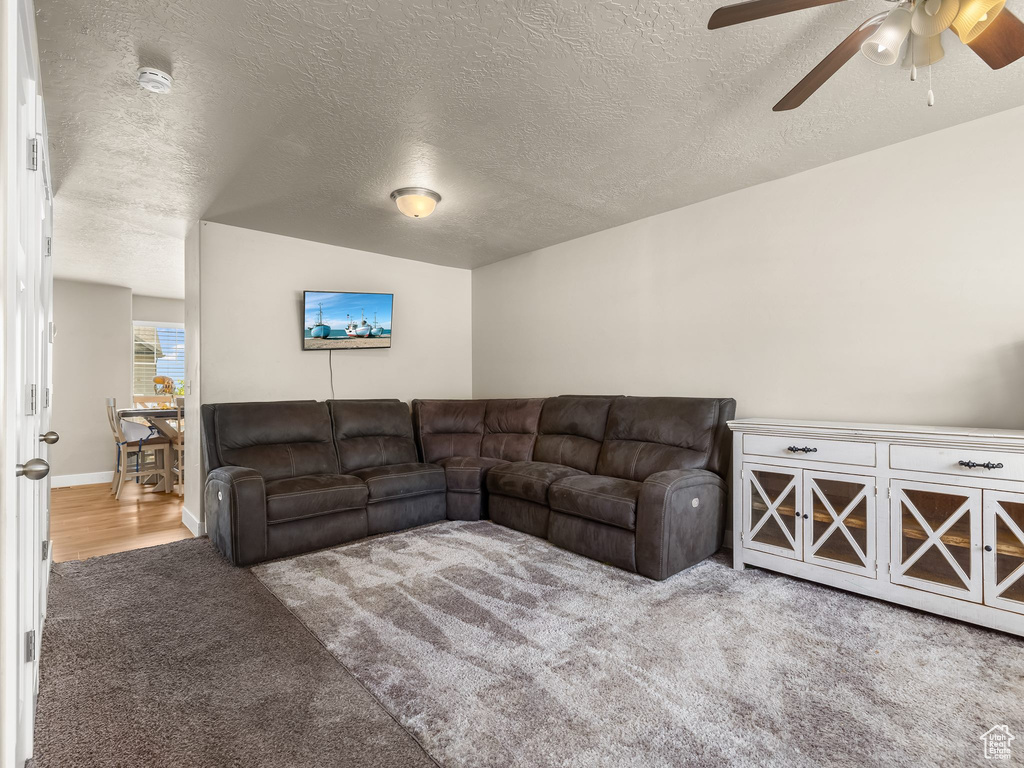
[538, 121]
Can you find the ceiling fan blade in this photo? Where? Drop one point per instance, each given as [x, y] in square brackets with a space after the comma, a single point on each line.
[759, 9]
[1002, 42]
[829, 65]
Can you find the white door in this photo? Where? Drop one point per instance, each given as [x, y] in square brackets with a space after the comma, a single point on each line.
[25, 293]
[1004, 550]
[771, 510]
[839, 531]
[936, 538]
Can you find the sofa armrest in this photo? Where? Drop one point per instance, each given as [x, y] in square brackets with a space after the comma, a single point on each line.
[236, 513]
[680, 520]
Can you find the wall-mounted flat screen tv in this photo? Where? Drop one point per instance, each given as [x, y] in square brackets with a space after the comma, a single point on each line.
[334, 320]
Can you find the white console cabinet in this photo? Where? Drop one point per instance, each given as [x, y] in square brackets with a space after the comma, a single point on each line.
[927, 517]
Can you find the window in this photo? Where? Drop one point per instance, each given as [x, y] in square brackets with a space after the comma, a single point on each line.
[159, 351]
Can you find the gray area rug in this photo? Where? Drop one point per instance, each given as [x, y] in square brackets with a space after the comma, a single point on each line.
[496, 649]
[169, 656]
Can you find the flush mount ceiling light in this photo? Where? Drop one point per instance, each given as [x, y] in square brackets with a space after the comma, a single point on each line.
[155, 80]
[416, 202]
[992, 32]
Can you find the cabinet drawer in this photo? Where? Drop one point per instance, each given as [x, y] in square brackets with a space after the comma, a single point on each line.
[946, 461]
[836, 451]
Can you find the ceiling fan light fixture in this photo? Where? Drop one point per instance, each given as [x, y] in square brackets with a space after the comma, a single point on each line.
[934, 16]
[416, 202]
[883, 47]
[923, 51]
[974, 17]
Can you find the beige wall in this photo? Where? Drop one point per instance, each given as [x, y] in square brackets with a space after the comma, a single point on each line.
[252, 321]
[886, 287]
[249, 285]
[157, 309]
[92, 360]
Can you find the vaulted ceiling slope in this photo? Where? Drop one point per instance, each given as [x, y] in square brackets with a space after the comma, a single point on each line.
[537, 120]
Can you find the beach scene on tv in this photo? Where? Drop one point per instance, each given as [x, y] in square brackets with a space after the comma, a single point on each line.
[347, 320]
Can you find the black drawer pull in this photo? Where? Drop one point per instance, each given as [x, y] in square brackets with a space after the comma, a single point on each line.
[794, 449]
[986, 465]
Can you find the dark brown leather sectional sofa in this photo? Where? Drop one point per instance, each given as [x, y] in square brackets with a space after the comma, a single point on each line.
[637, 482]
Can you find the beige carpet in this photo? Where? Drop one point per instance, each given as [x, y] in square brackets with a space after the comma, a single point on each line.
[496, 649]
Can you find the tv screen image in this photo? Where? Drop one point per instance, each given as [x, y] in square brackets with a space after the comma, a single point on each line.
[335, 320]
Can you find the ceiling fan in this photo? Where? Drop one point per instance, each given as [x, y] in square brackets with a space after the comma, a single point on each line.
[991, 31]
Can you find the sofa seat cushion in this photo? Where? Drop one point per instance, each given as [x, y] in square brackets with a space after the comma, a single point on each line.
[396, 481]
[607, 500]
[467, 474]
[527, 480]
[294, 498]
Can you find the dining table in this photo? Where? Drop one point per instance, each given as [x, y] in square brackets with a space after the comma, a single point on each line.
[163, 420]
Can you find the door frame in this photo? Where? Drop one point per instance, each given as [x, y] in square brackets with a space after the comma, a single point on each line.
[25, 220]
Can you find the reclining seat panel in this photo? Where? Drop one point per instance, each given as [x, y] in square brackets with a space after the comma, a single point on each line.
[470, 437]
[374, 440]
[304, 503]
[278, 440]
[596, 515]
[570, 429]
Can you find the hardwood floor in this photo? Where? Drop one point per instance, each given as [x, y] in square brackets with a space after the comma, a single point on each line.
[86, 520]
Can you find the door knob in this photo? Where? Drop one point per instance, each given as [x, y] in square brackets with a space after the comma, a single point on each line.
[988, 547]
[33, 469]
[49, 438]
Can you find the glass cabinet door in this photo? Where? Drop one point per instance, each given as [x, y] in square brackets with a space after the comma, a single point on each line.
[771, 510]
[1004, 550]
[936, 538]
[839, 531]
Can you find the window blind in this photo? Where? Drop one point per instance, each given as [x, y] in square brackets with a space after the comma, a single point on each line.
[159, 351]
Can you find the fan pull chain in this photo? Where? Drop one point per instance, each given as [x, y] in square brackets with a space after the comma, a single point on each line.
[931, 94]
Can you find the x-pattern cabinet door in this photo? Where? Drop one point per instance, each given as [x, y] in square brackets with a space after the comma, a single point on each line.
[1004, 550]
[771, 510]
[839, 530]
[936, 538]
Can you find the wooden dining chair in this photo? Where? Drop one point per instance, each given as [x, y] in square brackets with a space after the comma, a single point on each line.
[179, 444]
[138, 454]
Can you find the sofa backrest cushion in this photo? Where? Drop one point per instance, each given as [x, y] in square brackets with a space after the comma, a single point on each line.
[446, 428]
[277, 439]
[510, 429]
[571, 429]
[371, 433]
[650, 434]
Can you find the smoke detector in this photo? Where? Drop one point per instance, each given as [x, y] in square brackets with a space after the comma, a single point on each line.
[155, 80]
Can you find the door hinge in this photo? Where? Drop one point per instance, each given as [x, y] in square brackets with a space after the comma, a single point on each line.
[49, 247]
[33, 154]
[46, 549]
[31, 400]
[30, 645]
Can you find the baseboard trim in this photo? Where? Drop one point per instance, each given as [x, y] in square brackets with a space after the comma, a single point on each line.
[193, 523]
[87, 478]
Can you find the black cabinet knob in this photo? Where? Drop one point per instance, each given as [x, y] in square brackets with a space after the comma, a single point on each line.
[988, 547]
